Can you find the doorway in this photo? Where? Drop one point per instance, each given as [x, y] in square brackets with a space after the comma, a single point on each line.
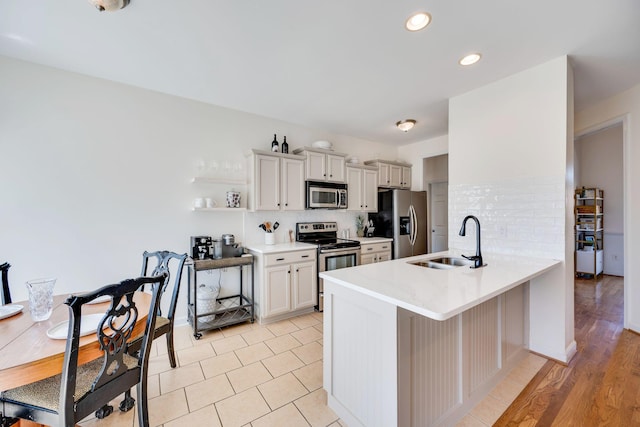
[599, 163]
[439, 204]
[436, 182]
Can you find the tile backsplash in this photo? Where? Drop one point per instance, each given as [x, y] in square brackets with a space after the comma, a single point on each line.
[288, 220]
[519, 217]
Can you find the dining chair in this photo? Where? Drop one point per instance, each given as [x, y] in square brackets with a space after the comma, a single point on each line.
[66, 398]
[6, 292]
[164, 262]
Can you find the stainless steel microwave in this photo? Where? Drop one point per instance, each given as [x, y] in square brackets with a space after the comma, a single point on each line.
[326, 195]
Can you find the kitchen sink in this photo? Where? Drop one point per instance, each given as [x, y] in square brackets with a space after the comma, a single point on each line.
[454, 262]
[444, 263]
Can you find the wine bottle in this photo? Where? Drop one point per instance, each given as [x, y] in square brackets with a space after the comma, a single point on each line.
[274, 144]
[285, 146]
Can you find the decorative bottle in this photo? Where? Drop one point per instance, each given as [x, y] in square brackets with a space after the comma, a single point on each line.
[274, 144]
[285, 146]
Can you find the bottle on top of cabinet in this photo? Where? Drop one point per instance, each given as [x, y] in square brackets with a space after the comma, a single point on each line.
[274, 144]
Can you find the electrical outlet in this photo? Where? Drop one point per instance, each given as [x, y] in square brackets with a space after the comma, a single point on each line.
[502, 230]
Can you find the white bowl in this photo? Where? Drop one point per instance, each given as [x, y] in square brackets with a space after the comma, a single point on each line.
[353, 160]
[322, 144]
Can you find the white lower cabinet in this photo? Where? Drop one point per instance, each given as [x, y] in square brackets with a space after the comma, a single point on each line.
[286, 283]
[374, 252]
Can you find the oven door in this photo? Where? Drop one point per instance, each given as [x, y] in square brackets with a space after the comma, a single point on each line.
[334, 259]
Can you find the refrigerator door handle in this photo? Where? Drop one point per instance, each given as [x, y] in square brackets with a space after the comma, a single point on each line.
[412, 213]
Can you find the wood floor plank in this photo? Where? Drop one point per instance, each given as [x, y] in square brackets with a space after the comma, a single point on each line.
[601, 384]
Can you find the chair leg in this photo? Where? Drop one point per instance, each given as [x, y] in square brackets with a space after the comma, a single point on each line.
[143, 409]
[7, 421]
[170, 348]
[104, 412]
[128, 402]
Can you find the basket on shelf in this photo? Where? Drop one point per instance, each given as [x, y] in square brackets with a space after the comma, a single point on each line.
[589, 209]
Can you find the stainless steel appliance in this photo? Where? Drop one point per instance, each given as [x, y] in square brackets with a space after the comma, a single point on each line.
[402, 215]
[201, 247]
[333, 253]
[326, 195]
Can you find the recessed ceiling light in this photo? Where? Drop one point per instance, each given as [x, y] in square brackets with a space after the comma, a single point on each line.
[406, 125]
[418, 21]
[470, 59]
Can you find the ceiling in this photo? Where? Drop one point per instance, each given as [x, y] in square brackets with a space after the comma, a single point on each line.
[347, 67]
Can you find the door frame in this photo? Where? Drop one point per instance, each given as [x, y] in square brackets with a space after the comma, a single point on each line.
[430, 214]
[626, 188]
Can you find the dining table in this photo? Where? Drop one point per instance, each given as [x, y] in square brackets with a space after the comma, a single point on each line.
[28, 354]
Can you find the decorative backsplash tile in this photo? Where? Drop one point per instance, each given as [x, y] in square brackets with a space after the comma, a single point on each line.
[519, 217]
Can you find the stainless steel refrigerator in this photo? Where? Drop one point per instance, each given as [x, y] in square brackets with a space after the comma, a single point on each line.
[402, 215]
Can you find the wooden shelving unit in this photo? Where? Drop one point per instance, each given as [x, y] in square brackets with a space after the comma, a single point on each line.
[589, 232]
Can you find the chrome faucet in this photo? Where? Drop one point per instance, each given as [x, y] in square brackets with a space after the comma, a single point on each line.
[477, 259]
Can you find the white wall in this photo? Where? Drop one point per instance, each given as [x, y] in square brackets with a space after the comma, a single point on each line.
[508, 165]
[600, 157]
[625, 108]
[95, 172]
[414, 153]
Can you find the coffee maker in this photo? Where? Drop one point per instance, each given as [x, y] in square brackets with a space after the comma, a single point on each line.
[201, 247]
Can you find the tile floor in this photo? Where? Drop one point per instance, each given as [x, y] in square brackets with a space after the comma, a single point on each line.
[253, 375]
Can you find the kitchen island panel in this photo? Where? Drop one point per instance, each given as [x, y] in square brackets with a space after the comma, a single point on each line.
[360, 368]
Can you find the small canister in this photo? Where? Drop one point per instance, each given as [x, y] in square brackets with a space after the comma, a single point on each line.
[217, 248]
[233, 199]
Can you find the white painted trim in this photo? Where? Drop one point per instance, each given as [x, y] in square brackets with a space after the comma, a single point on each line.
[626, 167]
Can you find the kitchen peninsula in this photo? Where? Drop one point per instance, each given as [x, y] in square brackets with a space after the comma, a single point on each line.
[409, 345]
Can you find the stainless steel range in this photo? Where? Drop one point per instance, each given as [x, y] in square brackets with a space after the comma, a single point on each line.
[333, 253]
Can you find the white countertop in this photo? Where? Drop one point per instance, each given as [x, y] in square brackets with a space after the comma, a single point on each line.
[279, 247]
[365, 240]
[439, 294]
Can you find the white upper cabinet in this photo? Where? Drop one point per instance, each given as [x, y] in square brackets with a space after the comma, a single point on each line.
[323, 165]
[278, 182]
[292, 184]
[392, 174]
[395, 176]
[362, 184]
[406, 177]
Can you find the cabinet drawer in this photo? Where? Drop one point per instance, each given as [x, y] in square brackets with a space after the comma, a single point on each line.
[375, 247]
[289, 257]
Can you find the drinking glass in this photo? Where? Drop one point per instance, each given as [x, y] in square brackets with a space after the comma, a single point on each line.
[40, 298]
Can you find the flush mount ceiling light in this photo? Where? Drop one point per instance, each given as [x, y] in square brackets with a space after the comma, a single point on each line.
[109, 5]
[470, 59]
[406, 125]
[418, 21]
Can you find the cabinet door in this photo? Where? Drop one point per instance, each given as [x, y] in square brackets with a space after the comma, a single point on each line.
[370, 190]
[267, 185]
[384, 256]
[277, 286]
[395, 176]
[305, 290]
[383, 175]
[316, 166]
[335, 168]
[406, 177]
[367, 259]
[355, 201]
[292, 179]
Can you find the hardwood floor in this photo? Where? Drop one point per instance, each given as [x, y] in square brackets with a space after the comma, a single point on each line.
[601, 384]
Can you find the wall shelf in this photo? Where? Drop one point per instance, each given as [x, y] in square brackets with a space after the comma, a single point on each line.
[589, 232]
[219, 209]
[212, 180]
